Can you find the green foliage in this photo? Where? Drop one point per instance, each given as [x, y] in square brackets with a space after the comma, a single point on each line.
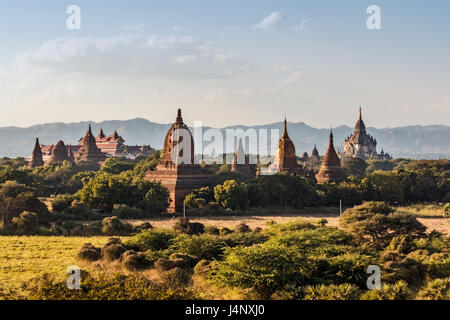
[438, 289]
[377, 221]
[332, 292]
[355, 167]
[105, 190]
[26, 223]
[16, 198]
[231, 195]
[103, 286]
[112, 226]
[123, 211]
[151, 239]
[203, 246]
[396, 291]
[262, 269]
[183, 225]
[62, 202]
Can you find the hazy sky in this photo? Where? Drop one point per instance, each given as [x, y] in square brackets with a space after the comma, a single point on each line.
[225, 62]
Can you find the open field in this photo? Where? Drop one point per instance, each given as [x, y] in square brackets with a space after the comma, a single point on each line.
[23, 258]
[432, 223]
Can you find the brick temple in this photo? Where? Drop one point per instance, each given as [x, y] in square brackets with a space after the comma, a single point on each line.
[331, 170]
[180, 177]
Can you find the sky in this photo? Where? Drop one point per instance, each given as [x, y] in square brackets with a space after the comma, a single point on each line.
[225, 62]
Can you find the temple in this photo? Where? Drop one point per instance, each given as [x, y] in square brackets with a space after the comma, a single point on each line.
[315, 157]
[285, 157]
[36, 156]
[59, 154]
[110, 146]
[240, 161]
[89, 150]
[362, 145]
[176, 169]
[331, 170]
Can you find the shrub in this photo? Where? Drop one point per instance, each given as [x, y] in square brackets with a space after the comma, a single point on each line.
[224, 231]
[102, 286]
[183, 225]
[397, 291]
[62, 202]
[176, 278]
[114, 227]
[125, 212]
[377, 221]
[212, 230]
[134, 261]
[203, 246]
[89, 253]
[113, 249]
[143, 226]
[231, 195]
[242, 228]
[151, 239]
[332, 292]
[438, 289]
[397, 266]
[26, 223]
[262, 269]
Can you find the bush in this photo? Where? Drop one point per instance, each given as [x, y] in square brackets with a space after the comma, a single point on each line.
[151, 239]
[134, 261]
[102, 286]
[212, 230]
[203, 246]
[89, 253]
[113, 249]
[242, 228]
[143, 226]
[183, 225]
[26, 223]
[224, 231]
[62, 202]
[397, 291]
[262, 269]
[332, 292]
[377, 221]
[114, 227]
[125, 212]
[438, 289]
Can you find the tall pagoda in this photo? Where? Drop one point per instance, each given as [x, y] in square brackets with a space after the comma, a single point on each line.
[331, 170]
[89, 150]
[36, 156]
[177, 170]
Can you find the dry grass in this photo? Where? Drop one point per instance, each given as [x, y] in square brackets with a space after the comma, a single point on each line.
[432, 223]
[23, 258]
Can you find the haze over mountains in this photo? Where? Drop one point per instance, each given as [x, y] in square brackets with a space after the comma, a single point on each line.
[418, 142]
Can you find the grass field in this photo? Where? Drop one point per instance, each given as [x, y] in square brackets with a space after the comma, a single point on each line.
[23, 258]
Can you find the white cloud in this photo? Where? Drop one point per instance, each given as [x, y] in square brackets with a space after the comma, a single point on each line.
[272, 21]
[134, 27]
[181, 59]
[292, 78]
[301, 26]
[132, 55]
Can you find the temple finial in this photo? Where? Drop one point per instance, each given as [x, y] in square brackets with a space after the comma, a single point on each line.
[179, 117]
[360, 113]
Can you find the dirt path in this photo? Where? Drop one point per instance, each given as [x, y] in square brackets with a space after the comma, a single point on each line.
[438, 223]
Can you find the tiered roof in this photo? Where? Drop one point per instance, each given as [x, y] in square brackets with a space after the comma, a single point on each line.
[331, 170]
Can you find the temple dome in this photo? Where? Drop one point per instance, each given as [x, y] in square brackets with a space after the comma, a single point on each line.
[170, 145]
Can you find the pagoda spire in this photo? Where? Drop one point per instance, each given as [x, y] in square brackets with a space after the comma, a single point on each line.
[285, 133]
[36, 157]
[179, 117]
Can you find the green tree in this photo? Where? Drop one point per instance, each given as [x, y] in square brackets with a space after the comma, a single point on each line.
[355, 167]
[231, 195]
[377, 221]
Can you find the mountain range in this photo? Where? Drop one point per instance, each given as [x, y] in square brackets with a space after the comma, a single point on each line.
[417, 142]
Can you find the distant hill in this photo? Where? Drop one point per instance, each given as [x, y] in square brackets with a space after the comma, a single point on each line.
[418, 142]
